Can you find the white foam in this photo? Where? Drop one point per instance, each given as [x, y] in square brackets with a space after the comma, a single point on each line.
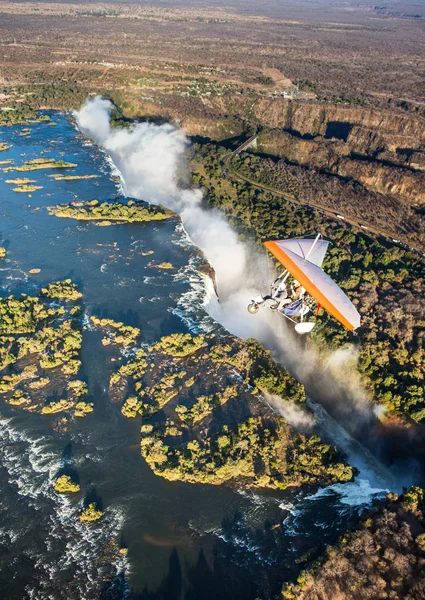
[358, 493]
[31, 465]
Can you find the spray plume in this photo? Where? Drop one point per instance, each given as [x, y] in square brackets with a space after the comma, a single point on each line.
[297, 416]
[150, 159]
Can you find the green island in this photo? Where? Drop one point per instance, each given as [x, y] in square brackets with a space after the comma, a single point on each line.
[217, 429]
[38, 164]
[20, 181]
[204, 405]
[164, 265]
[384, 280]
[22, 114]
[73, 177]
[91, 513]
[110, 212]
[62, 290]
[65, 485]
[40, 346]
[383, 555]
[259, 452]
[28, 188]
[179, 344]
[117, 332]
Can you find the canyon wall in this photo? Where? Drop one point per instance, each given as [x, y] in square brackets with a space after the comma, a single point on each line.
[337, 157]
[383, 149]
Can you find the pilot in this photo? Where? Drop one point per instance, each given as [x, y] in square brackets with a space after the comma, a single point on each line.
[296, 289]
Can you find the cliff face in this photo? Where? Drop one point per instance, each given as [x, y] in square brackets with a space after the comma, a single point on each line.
[314, 118]
[383, 149]
[379, 174]
[368, 129]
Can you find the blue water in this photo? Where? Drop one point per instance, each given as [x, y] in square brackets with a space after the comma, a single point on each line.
[183, 540]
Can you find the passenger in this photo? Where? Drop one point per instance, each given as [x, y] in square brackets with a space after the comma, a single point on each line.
[294, 308]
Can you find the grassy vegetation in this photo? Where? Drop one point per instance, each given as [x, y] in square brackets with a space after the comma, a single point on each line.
[117, 332]
[81, 409]
[155, 388]
[204, 406]
[179, 344]
[21, 114]
[135, 368]
[20, 181]
[25, 102]
[19, 398]
[25, 314]
[38, 164]
[321, 185]
[73, 177]
[27, 189]
[261, 450]
[385, 282]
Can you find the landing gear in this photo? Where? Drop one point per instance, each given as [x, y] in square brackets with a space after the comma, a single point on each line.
[288, 307]
[304, 327]
[253, 308]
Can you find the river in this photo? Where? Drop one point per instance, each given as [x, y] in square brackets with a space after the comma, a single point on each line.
[199, 541]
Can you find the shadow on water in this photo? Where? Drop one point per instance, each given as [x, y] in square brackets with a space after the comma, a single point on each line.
[66, 466]
[92, 497]
[228, 572]
[244, 563]
[200, 581]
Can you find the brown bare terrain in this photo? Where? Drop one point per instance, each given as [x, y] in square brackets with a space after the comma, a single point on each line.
[345, 48]
[336, 88]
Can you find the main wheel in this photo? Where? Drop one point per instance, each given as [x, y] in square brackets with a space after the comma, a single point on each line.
[253, 308]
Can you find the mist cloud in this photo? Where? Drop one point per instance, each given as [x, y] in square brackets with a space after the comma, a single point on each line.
[150, 159]
[297, 416]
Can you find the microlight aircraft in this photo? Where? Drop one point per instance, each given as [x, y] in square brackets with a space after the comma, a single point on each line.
[304, 287]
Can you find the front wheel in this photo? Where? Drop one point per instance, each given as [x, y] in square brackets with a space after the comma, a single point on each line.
[253, 308]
